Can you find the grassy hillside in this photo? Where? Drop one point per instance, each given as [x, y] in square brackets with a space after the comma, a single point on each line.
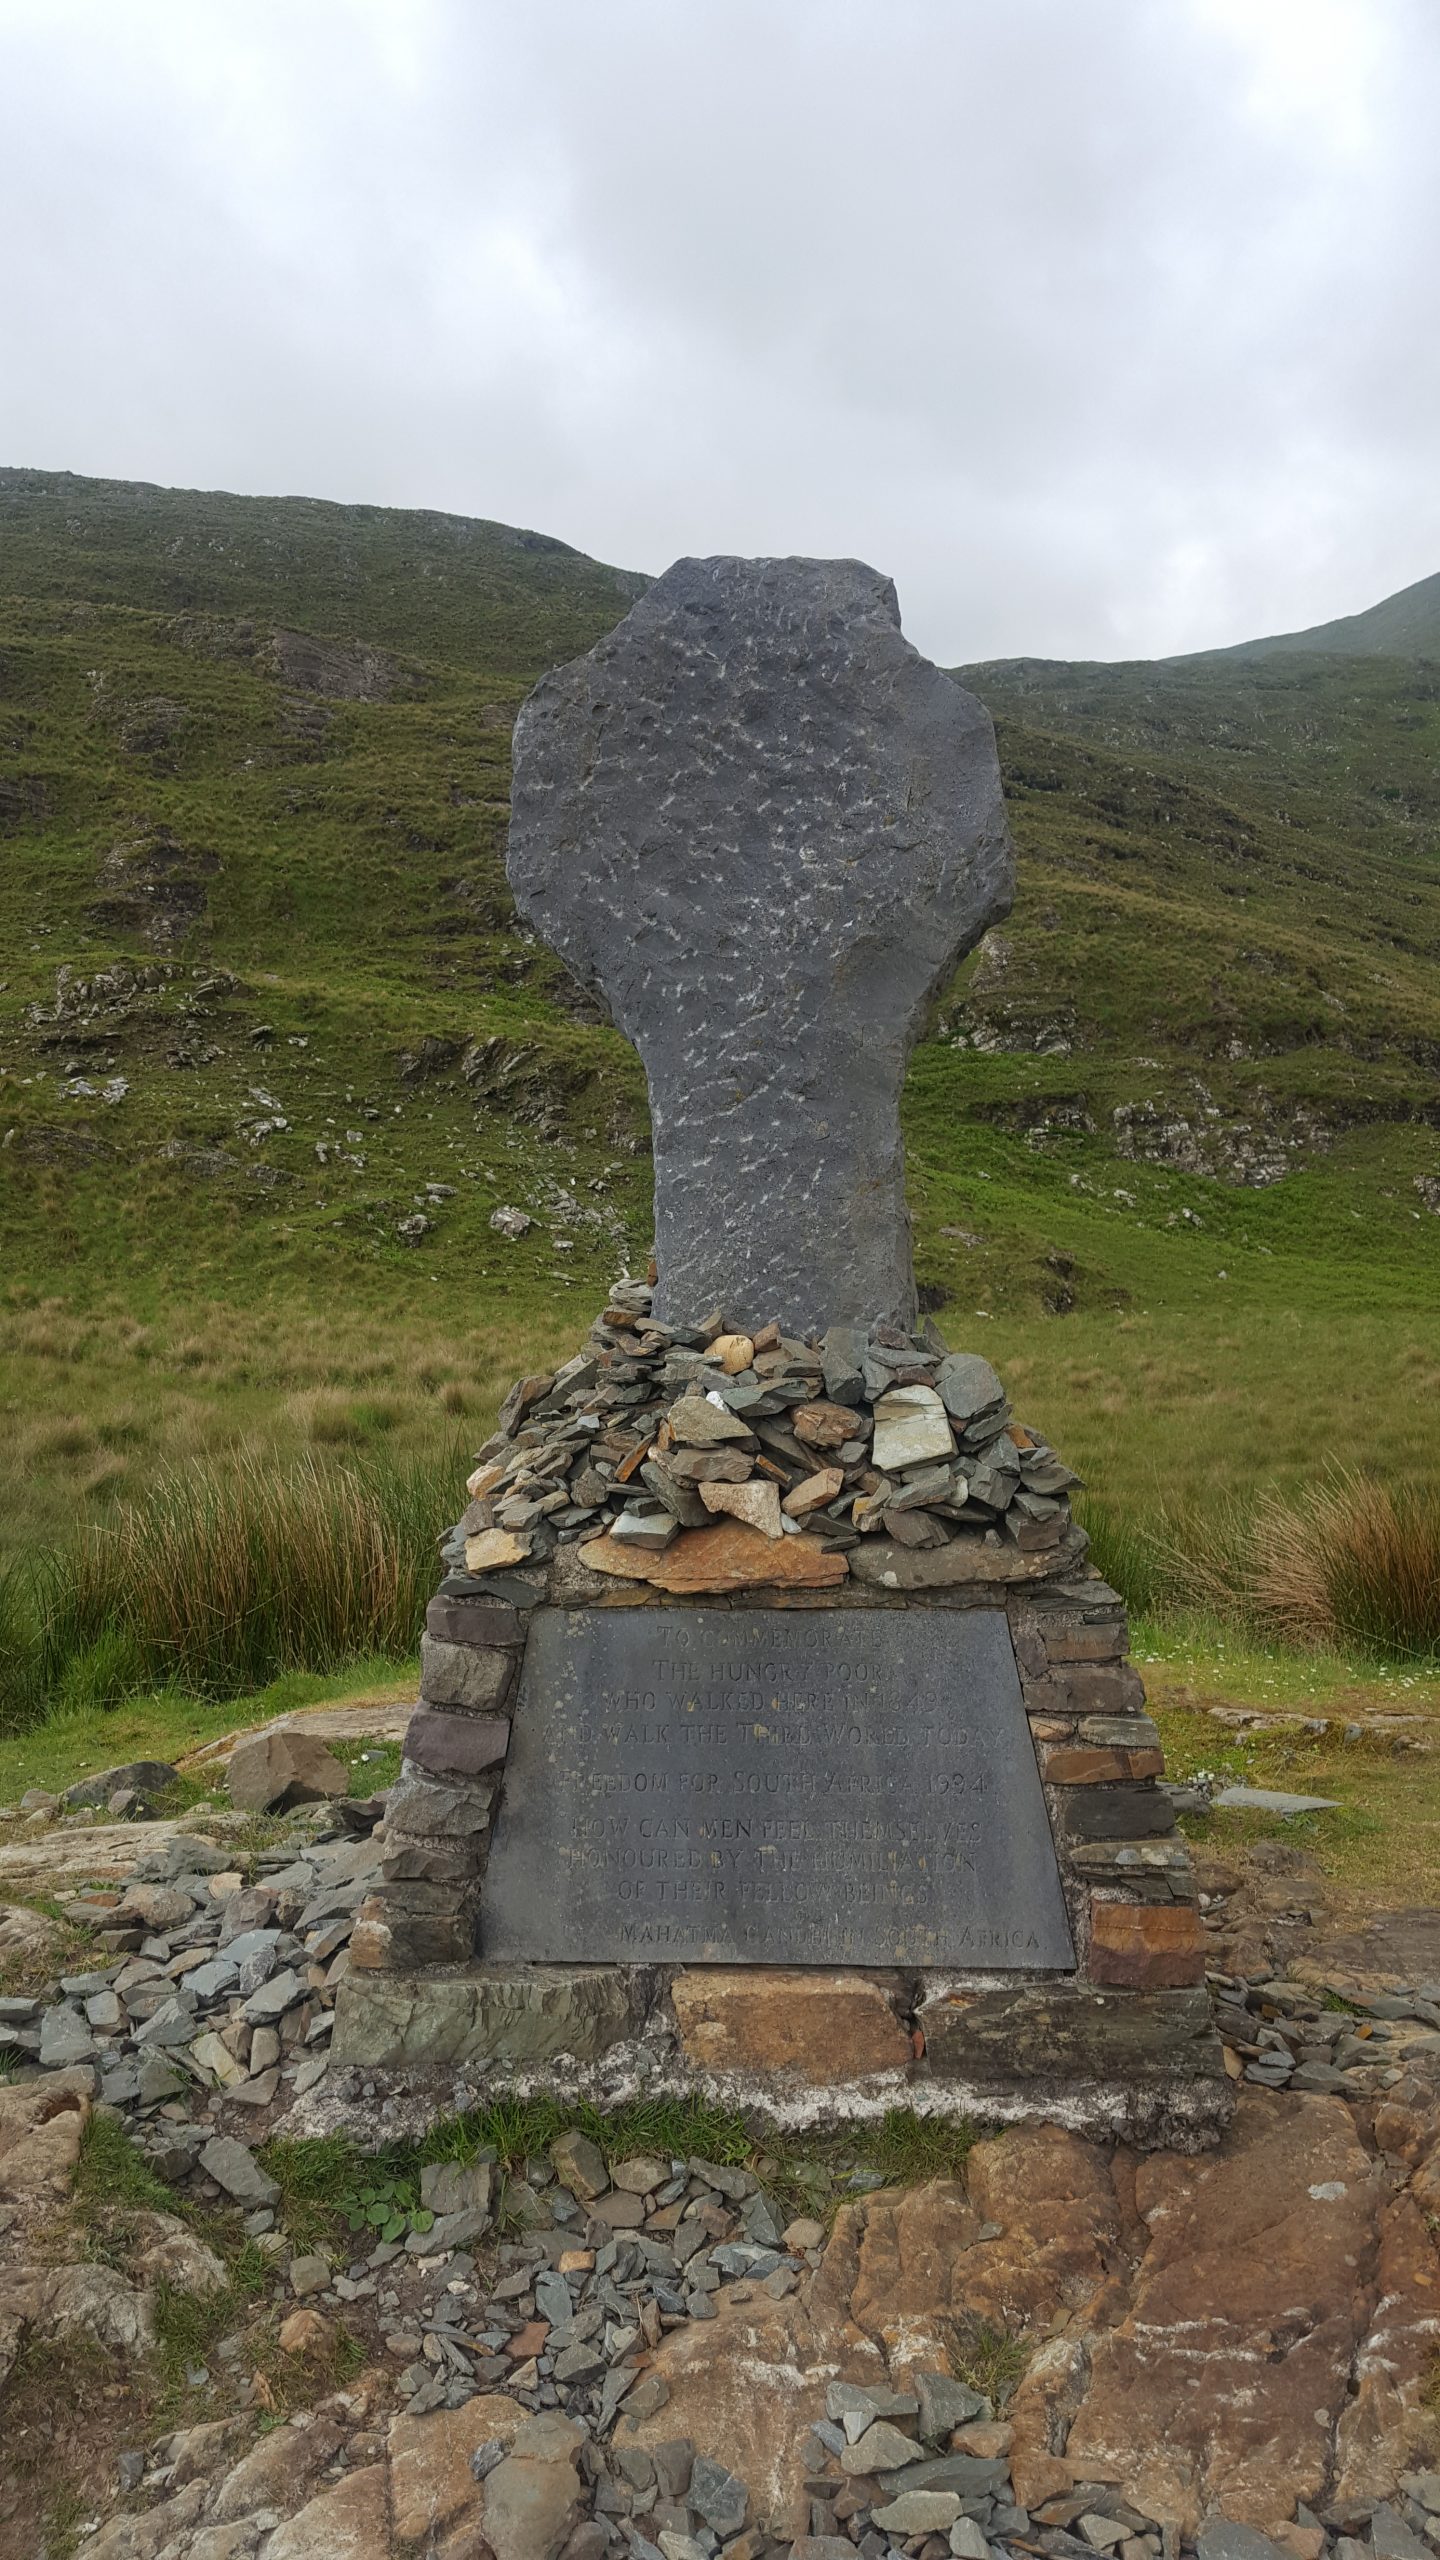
[1175, 1138]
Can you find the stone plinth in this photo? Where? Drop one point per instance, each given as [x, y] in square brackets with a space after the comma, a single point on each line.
[1115, 2035]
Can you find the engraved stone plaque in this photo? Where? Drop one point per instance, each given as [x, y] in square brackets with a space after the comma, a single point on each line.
[753, 1786]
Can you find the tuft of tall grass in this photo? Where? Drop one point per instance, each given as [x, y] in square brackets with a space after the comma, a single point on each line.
[223, 1573]
[1127, 1553]
[1350, 1563]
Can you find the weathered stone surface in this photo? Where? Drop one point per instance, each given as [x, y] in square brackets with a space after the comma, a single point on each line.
[814, 1491]
[968, 1386]
[431, 2483]
[1085, 1765]
[532, 2498]
[145, 1778]
[919, 2511]
[492, 1550]
[978, 1559]
[823, 2028]
[755, 2377]
[1252, 2265]
[696, 1423]
[1390, 2420]
[580, 2165]
[729, 1557]
[424, 1806]
[284, 1765]
[757, 1502]
[1142, 1946]
[237, 2171]
[40, 2129]
[910, 1426]
[763, 830]
[460, 1620]
[1158, 2048]
[689, 1784]
[457, 1746]
[1129, 1812]
[464, 1675]
[497, 2013]
[346, 2522]
[276, 2471]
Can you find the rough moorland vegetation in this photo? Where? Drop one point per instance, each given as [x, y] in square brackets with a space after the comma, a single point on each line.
[273, 1048]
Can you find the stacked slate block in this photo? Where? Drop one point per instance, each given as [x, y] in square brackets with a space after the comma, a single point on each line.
[439, 1815]
[1136, 1997]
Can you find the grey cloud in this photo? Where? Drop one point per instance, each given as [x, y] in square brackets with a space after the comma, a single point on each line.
[1105, 328]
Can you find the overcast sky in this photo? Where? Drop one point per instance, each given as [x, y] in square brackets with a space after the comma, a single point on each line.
[1107, 327]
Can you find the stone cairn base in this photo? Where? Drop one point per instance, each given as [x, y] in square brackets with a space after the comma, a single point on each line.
[870, 1470]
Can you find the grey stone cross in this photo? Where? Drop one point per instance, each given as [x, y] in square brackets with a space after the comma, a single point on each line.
[762, 830]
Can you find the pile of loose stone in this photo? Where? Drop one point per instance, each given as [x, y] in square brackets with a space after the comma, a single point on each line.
[544, 2292]
[1295, 2035]
[206, 1982]
[653, 1430]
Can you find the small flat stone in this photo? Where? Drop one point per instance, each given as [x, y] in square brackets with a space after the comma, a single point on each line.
[65, 2038]
[649, 1531]
[855, 2408]
[803, 2234]
[813, 1492]
[273, 1998]
[729, 1557]
[640, 2176]
[494, 1550]
[715, 2495]
[968, 1386]
[698, 1424]
[757, 1503]
[1391, 2538]
[1272, 1800]
[580, 2165]
[1103, 2533]
[911, 1425]
[207, 1981]
[1222, 2541]
[622, 2212]
[237, 2171]
[880, 2448]
[919, 2511]
[649, 2395]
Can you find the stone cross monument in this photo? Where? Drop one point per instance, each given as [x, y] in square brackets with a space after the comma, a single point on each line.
[775, 1738]
[762, 830]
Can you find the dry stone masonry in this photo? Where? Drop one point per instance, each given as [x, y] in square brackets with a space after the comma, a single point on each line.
[852, 1797]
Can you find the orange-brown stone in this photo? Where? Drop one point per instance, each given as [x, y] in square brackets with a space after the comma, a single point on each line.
[729, 1557]
[1081, 1765]
[1146, 1946]
[825, 1426]
[822, 2028]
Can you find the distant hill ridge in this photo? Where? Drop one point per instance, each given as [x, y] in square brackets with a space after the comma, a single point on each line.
[456, 588]
[1406, 625]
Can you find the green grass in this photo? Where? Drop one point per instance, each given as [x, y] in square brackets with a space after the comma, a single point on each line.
[1223, 951]
[111, 2176]
[1380, 1848]
[329, 2185]
[167, 1724]
[215, 1577]
[991, 2361]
